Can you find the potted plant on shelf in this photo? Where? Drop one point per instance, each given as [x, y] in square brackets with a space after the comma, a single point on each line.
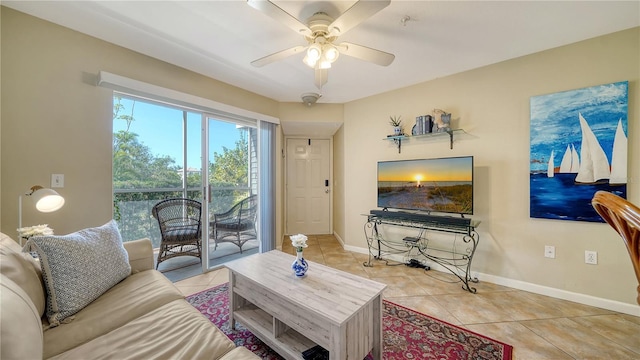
[396, 122]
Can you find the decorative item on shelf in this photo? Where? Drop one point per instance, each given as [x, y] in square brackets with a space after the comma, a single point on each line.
[300, 265]
[424, 125]
[442, 123]
[418, 128]
[427, 124]
[396, 122]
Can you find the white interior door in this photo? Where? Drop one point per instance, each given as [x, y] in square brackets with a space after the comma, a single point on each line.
[308, 186]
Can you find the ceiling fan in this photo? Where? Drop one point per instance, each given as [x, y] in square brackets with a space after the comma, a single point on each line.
[321, 31]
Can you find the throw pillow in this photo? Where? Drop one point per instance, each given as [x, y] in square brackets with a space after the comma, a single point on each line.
[79, 267]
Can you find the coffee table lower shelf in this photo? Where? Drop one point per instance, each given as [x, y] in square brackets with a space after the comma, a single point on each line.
[285, 341]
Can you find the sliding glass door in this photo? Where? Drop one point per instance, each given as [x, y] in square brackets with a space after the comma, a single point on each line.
[230, 165]
[162, 151]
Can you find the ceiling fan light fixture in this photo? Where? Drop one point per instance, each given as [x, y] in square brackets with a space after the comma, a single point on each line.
[311, 63]
[314, 52]
[330, 52]
[324, 63]
[320, 31]
[329, 56]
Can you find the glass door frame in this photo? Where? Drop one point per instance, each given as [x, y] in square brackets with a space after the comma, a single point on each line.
[206, 120]
[206, 194]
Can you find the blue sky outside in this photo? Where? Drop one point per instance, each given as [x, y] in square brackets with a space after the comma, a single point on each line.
[555, 123]
[160, 129]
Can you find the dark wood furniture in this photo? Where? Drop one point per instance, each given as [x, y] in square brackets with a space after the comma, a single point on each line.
[624, 218]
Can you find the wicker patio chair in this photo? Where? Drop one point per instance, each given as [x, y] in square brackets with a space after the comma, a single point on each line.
[180, 228]
[237, 225]
[624, 217]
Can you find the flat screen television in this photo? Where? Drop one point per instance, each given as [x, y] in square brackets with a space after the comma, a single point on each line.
[443, 185]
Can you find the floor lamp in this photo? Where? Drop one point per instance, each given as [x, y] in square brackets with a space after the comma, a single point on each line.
[45, 200]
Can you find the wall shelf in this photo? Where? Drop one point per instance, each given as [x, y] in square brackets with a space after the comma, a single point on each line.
[397, 139]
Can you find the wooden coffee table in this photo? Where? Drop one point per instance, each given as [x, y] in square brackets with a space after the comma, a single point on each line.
[339, 311]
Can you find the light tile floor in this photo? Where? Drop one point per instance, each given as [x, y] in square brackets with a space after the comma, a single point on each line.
[537, 326]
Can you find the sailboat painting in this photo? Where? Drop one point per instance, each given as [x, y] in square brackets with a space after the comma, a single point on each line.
[578, 146]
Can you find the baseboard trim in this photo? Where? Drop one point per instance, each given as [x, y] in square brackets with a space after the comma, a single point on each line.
[602, 303]
[342, 242]
[585, 299]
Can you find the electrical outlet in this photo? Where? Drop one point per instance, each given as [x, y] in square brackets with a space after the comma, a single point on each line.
[550, 251]
[591, 257]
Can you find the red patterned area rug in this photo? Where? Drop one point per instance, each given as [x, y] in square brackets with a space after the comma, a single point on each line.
[407, 334]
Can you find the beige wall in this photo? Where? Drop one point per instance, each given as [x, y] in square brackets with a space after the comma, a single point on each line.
[55, 120]
[318, 113]
[492, 105]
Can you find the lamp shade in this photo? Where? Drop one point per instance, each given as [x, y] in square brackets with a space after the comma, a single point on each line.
[47, 200]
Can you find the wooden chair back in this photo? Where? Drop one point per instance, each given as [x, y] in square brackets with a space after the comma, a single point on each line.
[624, 217]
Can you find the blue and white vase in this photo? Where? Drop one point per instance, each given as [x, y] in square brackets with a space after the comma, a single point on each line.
[300, 265]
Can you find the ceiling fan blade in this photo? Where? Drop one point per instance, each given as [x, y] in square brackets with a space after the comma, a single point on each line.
[278, 56]
[321, 77]
[366, 53]
[356, 14]
[275, 12]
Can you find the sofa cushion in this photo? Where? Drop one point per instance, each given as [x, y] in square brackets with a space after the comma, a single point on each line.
[174, 331]
[79, 267]
[22, 269]
[133, 297]
[140, 254]
[20, 328]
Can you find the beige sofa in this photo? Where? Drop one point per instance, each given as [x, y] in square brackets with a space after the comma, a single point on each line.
[142, 317]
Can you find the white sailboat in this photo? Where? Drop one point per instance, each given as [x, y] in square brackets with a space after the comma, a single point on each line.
[550, 167]
[565, 164]
[570, 161]
[619, 157]
[575, 160]
[594, 165]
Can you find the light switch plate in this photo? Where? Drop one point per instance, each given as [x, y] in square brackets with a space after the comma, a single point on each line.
[550, 251]
[57, 180]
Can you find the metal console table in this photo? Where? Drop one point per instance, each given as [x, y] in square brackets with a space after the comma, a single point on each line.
[456, 260]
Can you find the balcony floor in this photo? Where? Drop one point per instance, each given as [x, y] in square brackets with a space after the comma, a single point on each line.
[183, 267]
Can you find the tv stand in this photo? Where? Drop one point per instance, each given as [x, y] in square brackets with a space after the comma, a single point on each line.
[455, 254]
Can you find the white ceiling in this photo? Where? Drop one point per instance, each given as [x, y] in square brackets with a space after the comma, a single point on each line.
[219, 39]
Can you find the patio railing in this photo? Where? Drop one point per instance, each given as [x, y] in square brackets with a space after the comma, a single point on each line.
[132, 208]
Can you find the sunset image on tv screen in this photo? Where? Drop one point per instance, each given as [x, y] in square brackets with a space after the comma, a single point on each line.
[440, 185]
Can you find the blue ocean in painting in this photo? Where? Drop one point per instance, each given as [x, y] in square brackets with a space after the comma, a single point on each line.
[560, 198]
